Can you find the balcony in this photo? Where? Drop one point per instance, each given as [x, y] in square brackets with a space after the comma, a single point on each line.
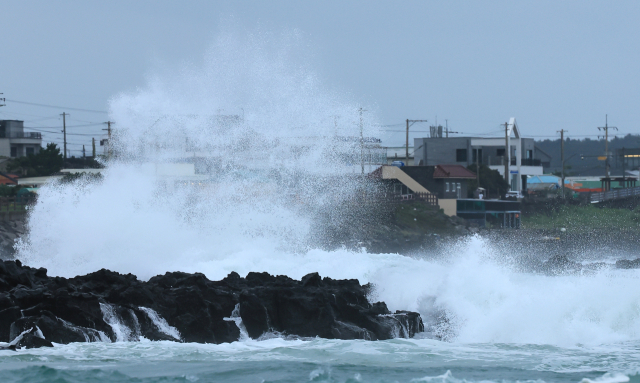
[499, 160]
[33, 135]
[531, 162]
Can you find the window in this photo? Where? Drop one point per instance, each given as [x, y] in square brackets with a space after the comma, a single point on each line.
[14, 151]
[446, 187]
[461, 155]
[30, 150]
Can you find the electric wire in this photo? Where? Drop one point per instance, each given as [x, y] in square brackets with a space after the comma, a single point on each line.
[56, 107]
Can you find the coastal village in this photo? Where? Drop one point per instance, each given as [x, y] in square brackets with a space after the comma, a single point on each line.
[479, 182]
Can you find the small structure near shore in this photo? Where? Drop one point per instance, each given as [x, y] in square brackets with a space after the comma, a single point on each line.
[501, 214]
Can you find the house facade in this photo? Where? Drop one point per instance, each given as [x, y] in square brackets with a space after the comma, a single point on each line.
[15, 142]
[523, 157]
[445, 181]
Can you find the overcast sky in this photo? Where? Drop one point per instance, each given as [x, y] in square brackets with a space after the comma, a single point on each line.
[550, 64]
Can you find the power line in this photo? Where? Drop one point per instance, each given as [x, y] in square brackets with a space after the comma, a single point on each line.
[58, 107]
[68, 134]
[68, 126]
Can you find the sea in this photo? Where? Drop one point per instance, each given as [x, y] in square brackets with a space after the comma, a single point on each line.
[246, 160]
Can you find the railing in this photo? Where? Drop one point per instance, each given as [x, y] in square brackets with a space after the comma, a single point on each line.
[499, 160]
[10, 204]
[530, 162]
[614, 194]
[429, 198]
[34, 135]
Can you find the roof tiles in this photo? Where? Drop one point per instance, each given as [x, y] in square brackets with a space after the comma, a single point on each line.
[452, 171]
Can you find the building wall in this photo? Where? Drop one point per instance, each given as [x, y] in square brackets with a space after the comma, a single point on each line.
[453, 187]
[11, 132]
[5, 147]
[435, 151]
[449, 206]
[9, 127]
[424, 176]
[528, 144]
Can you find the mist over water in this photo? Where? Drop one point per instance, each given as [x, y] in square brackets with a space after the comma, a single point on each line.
[268, 147]
[271, 148]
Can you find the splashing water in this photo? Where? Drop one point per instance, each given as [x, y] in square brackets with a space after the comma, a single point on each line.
[223, 167]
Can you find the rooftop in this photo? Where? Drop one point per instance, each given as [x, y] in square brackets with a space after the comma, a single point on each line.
[452, 171]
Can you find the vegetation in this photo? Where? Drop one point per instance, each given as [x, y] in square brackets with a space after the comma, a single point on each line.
[90, 177]
[9, 191]
[82, 163]
[583, 218]
[47, 162]
[575, 149]
[491, 180]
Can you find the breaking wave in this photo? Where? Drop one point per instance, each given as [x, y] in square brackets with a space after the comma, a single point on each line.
[222, 167]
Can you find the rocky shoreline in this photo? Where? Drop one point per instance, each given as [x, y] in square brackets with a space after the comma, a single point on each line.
[36, 310]
[10, 231]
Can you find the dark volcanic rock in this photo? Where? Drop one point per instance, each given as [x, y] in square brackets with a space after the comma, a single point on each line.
[36, 310]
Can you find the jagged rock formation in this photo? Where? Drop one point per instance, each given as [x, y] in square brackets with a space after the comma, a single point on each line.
[10, 231]
[106, 306]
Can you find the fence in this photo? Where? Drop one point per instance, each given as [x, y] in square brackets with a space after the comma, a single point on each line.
[429, 198]
[614, 194]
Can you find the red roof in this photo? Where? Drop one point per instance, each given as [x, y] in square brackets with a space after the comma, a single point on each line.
[452, 171]
[8, 181]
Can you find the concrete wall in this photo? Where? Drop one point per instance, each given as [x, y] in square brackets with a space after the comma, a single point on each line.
[5, 147]
[437, 151]
[524, 170]
[9, 127]
[449, 206]
[528, 144]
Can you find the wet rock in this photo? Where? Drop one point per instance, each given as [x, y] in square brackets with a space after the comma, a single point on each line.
[559, 264]
[105, 305]
[31, 341]
[11, 347]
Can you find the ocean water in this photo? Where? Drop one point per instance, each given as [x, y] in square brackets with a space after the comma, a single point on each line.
[503, 326]
[274, 150]
[320, 360]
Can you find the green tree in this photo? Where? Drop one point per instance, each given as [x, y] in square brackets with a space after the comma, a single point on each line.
[491, 180]
[47, 162]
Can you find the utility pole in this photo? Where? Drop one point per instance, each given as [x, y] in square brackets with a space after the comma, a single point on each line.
[562, 156]
[507, 160]
[624, 170]
[93, 146]
[478, 167]
[606, 147]
[84, 158]
[361, 141]
[64, 131]
[409, 123]
[109, 135]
